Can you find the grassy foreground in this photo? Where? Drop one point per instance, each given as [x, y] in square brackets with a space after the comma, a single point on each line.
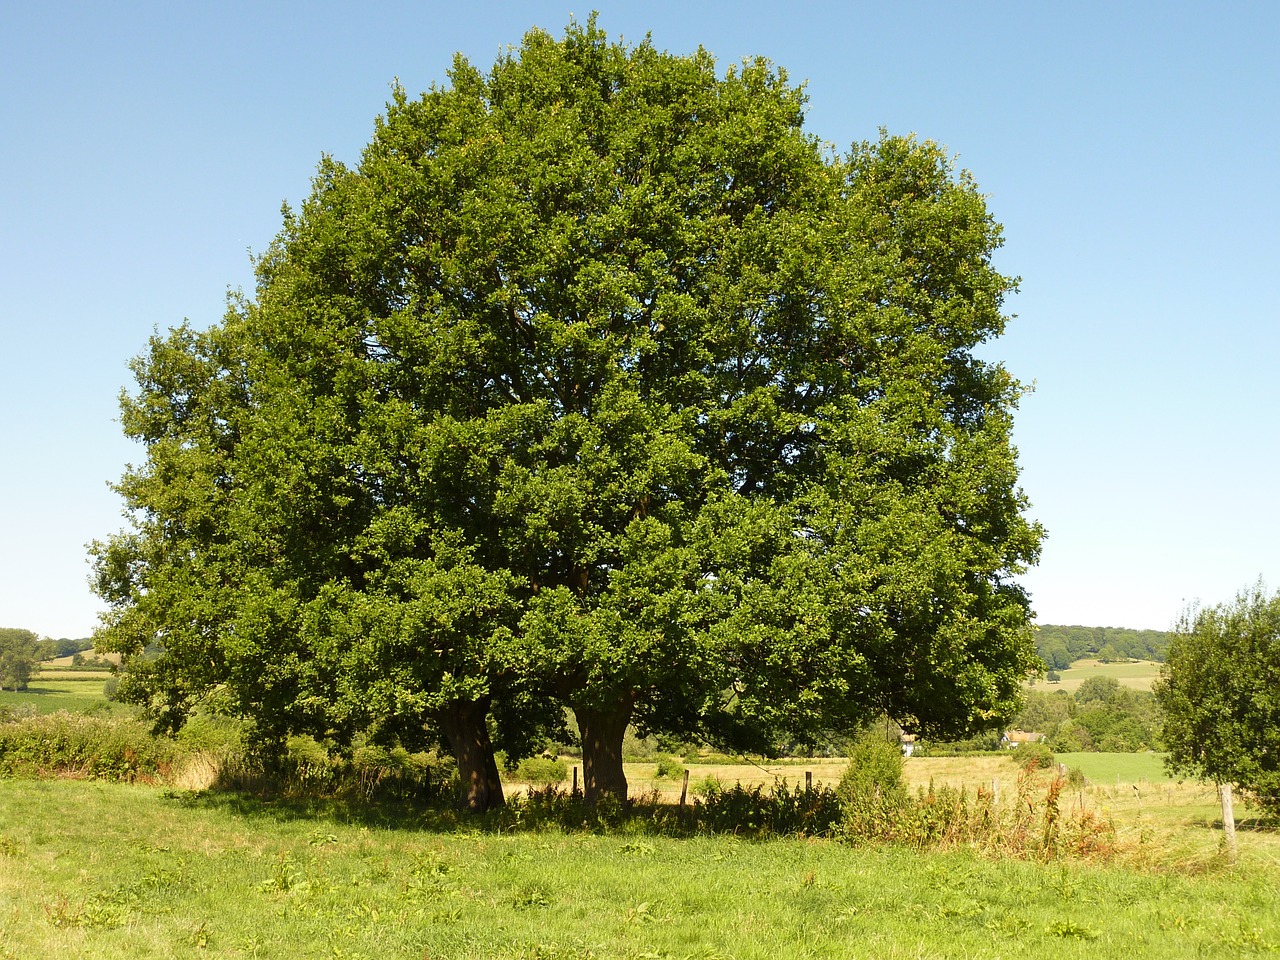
[98, 870]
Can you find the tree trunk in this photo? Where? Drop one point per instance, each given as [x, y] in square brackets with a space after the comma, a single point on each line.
[602, 730]
[465, 726]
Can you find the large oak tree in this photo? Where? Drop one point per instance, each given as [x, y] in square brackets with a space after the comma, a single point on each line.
[598, 383]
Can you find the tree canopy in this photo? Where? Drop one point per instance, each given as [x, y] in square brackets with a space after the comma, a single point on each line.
[1220, 697]
[1061, 646]
[599, 383]
[20, 651]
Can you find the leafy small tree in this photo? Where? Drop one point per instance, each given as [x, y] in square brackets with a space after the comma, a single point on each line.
[20, 651]
[1221, 697]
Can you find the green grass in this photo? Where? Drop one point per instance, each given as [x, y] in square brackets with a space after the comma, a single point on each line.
[1137, 675]
[97, 870]
[76, 696]
[1113, 768]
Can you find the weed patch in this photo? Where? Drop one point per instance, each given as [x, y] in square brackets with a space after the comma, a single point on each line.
[96, 747]
[1030, 826]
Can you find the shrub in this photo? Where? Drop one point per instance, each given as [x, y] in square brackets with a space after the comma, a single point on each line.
[96, 747]
[874, 771]
[1032, 755]
[395, 773]
[709, 786]
[669, 768]
[542, 771]
[806, 811]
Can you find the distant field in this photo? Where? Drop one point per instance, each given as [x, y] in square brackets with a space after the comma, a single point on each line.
[1104, 769]
[58, 674]
[50, 695]
[1112, 768]
[1137, 675]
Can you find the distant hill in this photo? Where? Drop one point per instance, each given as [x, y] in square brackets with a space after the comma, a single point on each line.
[1059, 647]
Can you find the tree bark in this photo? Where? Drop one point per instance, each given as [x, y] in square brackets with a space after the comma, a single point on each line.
[464, 724]
[602, 730]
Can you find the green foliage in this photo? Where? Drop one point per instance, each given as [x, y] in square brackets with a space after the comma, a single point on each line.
[1098, 689]
[1101, 715]
[874, 771]
[542, 771]
[20, 651]
[1061, 646]
[598, 382]
[66, 744]
[1032, 755]
[1220, 694]
[669, 768]
[780, 810]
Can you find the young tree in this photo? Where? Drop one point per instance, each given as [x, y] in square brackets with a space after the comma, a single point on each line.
[1220, 697]
[20, 651]
[600, 383]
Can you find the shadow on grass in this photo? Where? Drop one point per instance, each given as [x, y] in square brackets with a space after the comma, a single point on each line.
[547, 810]
[33, 692]
[1262, 823]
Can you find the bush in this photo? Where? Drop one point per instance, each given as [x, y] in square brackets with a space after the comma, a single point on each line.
[783, 810]
[874, 771]
[542, 771]
[1032, 755]
[708, 787]
[669, 768]
[395, 773]
[94, 747]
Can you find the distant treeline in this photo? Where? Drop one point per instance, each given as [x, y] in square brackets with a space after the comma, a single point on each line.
[1060, 647]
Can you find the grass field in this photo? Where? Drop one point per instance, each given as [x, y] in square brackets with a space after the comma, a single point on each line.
[74, 695]
[93, 870]
[109, 871]
[1118, 768]
[963, 771]
[1137, 675]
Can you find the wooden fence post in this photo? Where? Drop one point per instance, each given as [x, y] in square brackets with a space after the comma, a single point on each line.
[575, 782]
[1228, 821]
[684, 790]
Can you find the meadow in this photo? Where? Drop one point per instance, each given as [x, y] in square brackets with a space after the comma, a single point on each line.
[105, 870]
[98, 870]
[1135, 674]
[74, 693]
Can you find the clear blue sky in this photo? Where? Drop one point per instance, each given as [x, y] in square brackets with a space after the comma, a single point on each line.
[1132, 152]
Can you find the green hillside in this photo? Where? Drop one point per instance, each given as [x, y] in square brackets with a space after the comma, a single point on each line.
[1061, 646]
